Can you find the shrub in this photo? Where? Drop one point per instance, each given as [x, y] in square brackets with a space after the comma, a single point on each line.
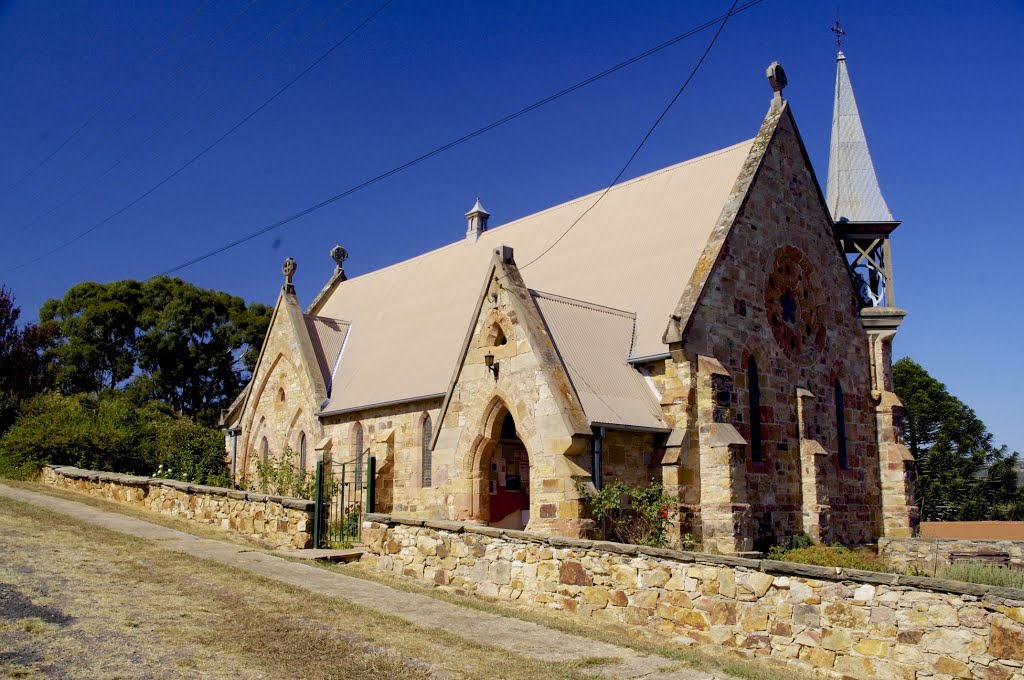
[110, 432]
[100, 433]
[985, 574]
[831, 556]
[195, 453]
[630, 514]
[284, 477]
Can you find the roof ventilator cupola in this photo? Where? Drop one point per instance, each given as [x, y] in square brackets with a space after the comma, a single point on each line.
[476, 220]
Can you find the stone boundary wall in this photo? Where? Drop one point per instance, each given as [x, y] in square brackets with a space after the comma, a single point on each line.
[830, 622]
[275, 521]
[926, 553]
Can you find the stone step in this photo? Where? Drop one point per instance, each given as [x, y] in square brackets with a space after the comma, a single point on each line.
[349, 555]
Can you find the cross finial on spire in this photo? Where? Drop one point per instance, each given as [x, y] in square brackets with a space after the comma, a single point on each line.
[838, 30]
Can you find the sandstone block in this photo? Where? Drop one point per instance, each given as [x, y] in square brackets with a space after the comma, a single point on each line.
[692, 619]
[867, 647]
[836, 639]
[1006, 640]
[754, 619]
[595, 596]
[951, 666]
[806, 615]
[571, 572]
[822, 658]
[623, 576]
[653, 578]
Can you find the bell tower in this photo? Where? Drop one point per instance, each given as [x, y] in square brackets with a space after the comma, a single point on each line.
[864, 225]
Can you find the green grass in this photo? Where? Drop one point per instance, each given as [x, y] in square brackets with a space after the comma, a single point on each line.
[985, 574]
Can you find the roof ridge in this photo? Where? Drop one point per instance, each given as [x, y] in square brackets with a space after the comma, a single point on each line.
[583, 303]
[485, 236]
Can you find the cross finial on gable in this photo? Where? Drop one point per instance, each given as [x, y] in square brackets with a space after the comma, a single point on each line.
[288, 269]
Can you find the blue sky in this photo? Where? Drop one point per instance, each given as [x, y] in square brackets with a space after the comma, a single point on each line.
[937, 84]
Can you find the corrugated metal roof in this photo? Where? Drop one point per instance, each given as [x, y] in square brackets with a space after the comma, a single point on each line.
[328, 337]
[853, 194]
[594, 343]
[635, 250]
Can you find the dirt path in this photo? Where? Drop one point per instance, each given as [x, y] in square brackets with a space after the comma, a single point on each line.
[94, 594]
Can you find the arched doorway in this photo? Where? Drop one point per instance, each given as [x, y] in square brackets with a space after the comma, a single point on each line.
[499, 473]
[508, 492]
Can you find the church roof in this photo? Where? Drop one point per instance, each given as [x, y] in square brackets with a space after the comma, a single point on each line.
[635, 251]
[328, 337]
[593, 343]
[853, 194]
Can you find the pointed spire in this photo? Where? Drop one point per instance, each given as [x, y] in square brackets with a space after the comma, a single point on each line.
[853, 192]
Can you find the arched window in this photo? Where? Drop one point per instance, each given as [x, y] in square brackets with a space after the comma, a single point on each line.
[754, 394]
[264, 451]
[358, 437]
[302, 453]
[280, 394]
[841, 426]
[425, 459]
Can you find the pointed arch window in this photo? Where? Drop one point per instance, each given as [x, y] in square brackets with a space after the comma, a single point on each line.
[754, 400]
[302, 453]
[358, 439]
[844, 463]
[426, 461]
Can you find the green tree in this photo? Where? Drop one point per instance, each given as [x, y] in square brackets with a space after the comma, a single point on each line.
[193, 344]
[23, 371]
[960, 474]
[162, 339]
[97, 325]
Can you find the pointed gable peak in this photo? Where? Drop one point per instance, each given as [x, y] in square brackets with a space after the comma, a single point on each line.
[853, 194]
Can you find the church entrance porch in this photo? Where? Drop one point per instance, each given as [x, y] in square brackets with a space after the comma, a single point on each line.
[500, 473]
[508, 488]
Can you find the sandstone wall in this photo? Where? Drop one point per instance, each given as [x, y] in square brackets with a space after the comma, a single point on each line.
[271, 520]
[928, 553]
[780, 292]
[394, 435]
[832, 622]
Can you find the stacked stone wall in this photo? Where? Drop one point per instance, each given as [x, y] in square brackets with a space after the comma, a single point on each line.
[270, 520]
[834, 623]
[931, 554]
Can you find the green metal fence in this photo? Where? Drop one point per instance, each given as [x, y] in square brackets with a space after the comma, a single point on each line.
[343, 492]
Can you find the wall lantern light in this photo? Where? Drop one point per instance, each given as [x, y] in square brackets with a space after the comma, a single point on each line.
[491, 365]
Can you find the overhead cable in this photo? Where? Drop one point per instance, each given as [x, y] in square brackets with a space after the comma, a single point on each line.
[210, 146]
[467, 137]
[103, 105]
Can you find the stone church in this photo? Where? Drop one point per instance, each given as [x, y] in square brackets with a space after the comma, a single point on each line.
[719, 326]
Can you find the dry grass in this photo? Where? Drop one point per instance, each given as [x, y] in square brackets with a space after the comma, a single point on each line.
[98, 604]
[631, 637]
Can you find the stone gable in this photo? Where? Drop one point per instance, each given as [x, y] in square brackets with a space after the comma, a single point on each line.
[779, 291]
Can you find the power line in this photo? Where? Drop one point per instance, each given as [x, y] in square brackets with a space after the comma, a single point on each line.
[467, 137]
[159, 50]
[174, 117]
[102, 143]
[210, 146]
[643, 141]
